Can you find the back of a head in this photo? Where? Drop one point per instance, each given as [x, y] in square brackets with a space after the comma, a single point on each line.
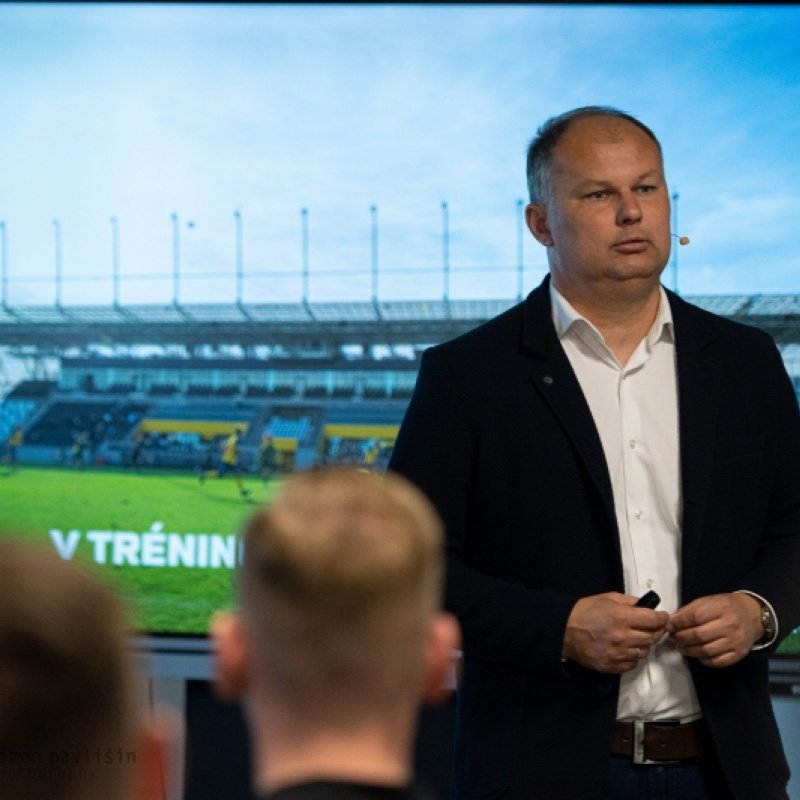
[65, 686]
[340, 579]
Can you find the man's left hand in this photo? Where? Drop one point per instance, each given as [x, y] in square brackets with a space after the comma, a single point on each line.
[718, 630]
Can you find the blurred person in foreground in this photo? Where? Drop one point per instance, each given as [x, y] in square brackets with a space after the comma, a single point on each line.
[601, 439]
[339, 636]
[68, 725]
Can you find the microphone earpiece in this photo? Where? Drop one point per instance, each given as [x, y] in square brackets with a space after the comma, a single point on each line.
[681, 239]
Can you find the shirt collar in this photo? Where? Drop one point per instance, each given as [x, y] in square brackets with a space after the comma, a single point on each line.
[565, 317]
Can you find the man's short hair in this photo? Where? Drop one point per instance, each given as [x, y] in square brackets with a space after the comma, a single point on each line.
[541, 147]
[65, 684]
[341, 576]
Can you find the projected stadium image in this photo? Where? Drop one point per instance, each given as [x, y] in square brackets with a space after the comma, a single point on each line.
[150, 481]
[229, 231]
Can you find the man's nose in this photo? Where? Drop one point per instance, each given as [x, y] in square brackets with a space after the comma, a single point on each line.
[629, 210]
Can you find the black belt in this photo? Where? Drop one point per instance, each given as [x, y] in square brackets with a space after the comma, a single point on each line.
[658, 742]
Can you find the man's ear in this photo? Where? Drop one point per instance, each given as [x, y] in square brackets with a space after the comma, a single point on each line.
[536, 219]
[231, 656]
[441, 657]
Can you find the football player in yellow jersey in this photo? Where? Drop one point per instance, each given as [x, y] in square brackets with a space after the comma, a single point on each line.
[13, 442]
[229, 463]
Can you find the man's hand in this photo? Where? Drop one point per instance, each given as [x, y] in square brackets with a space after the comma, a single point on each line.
[718, 630]
[606, 633]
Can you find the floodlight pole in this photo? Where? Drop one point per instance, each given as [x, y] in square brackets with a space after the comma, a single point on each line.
[675, 197]
[520, 229]
[57, 234]
[4, 263]
[115, 258]
[304, 220]
[374, 215]
[446, 251]
[176, 260]
[239, 258]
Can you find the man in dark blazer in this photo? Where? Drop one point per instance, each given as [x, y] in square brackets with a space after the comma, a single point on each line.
[512, 438]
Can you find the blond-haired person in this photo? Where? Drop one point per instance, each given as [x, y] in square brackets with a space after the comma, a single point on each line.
[339, 635]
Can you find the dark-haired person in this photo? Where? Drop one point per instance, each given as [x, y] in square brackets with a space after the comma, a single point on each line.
[69, 729]
[599, 440]
[339, 635]
[267, 458]
[134, 461]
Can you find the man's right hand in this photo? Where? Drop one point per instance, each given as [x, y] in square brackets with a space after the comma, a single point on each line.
[607, 633]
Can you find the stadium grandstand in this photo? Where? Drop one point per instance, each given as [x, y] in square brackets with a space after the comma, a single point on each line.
[328, 382]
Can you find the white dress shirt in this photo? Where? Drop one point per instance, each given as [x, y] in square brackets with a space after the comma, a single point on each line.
[635, 409]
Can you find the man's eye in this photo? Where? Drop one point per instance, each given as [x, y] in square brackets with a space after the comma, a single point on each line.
[598, 195]
[646, 189]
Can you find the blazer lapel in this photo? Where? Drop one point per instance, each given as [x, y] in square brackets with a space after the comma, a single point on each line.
[698, 398]
[554, 379]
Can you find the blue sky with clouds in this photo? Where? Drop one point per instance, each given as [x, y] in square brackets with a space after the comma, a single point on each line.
[141, 111]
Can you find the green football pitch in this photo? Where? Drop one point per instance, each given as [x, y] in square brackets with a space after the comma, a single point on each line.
[37, 500]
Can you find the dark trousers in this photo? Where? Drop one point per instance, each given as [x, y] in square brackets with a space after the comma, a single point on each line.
[690, 780]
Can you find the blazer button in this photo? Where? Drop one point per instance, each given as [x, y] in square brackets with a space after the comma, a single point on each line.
[604, 687]
[548, 380]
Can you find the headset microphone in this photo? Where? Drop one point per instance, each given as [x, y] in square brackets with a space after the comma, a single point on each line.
[681, 239]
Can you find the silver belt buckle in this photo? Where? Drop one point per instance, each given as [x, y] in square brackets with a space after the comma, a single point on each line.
[638, 745]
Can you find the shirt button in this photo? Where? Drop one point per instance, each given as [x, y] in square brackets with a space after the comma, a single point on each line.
[649, 583]
[639, 514]
[632, 444]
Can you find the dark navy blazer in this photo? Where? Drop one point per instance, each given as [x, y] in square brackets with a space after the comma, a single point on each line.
[499, 435]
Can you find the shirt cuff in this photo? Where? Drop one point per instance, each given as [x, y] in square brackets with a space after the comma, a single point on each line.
[773, 638]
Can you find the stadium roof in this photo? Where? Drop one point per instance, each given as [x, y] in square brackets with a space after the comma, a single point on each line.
[290, 325]
[296, 326]
[243, 364]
